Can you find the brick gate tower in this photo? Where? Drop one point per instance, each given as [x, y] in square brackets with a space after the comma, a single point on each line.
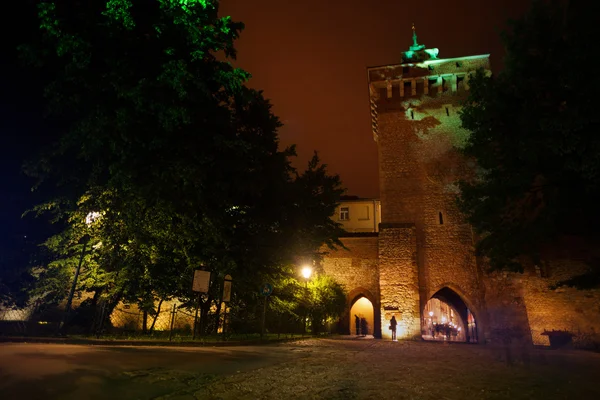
[425, 250]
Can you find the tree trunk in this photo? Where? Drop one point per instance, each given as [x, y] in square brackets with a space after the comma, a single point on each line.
[95, 313]
[217, 316]
[204, 309]
[156, 315]
[144, 322]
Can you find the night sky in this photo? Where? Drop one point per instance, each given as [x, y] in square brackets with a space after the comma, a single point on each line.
[310, 57]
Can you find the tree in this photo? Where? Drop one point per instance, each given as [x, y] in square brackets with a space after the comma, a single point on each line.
[327, 301]
[162, 138]
[534, 136]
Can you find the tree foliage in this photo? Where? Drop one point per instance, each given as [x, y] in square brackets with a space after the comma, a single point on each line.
[179, 159]
[534, 136]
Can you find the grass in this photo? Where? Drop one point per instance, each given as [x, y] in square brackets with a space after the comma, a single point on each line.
[187, 338]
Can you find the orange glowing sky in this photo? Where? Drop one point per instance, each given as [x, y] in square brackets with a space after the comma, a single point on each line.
[310, 58]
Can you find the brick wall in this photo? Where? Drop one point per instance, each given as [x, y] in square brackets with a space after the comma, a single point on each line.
[419, 165]
[573, 310]
[356, 269]
[399, 280]
[423, 244]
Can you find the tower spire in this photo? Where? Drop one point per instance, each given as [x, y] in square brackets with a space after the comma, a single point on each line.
[418, 52]
[414, 37]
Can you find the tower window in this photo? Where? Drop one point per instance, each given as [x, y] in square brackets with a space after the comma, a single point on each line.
[441, 218]
[460, 82]
[412, 114]
[344, 213]
[447, 111]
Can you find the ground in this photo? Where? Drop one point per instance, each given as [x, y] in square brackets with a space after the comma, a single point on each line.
[308, 369]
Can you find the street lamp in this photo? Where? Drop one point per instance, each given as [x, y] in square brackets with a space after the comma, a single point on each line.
[89, 220]
[306, 273]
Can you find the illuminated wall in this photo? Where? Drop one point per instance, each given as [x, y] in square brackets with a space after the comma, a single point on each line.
[362, 308]
[355, 267]
[359, 216]
[424, 245]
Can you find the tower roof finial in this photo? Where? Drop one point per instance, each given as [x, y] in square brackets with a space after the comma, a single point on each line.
[414, 35]
[418, 52]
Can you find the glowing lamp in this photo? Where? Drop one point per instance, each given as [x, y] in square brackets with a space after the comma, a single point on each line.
[306, 272]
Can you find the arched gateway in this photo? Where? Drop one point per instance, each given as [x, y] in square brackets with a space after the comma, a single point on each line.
[364, 305]
[446, 317]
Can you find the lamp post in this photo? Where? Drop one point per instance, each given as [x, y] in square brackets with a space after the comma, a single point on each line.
[306, 273]
[89, 219]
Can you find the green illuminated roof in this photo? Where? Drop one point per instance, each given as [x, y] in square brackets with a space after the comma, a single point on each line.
[417, 52]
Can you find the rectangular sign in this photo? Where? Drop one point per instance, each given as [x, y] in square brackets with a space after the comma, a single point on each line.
[201, 281]
[227, 291]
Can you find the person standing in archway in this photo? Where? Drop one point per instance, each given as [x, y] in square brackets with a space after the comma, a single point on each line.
[357, 322]
[393, 324]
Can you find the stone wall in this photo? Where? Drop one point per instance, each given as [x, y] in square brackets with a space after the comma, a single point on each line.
[504, 315]
[424, 245]
[399, 279]
[356, 269]
[419, 165]
[564, 308]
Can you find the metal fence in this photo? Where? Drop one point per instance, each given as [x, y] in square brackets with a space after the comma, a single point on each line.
[167, 320]
[170, 320]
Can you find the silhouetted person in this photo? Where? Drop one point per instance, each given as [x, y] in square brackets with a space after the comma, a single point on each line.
[357, 322]
[393, 324]
[364, 327]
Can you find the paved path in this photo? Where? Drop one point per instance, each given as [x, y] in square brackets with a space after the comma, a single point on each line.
[309, 369]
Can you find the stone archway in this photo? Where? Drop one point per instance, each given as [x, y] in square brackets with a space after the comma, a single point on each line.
[362, 297]
[447, 316]
[363, 309]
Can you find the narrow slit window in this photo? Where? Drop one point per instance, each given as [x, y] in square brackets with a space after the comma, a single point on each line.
[412, 114]
[441, 218]
[447, 111]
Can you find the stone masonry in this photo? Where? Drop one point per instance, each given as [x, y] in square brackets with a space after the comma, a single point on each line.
[423, 246]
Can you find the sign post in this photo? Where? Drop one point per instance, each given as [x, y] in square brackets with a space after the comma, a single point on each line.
[227, 289]
[226, 298]
[200, 285]
[266, 291]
